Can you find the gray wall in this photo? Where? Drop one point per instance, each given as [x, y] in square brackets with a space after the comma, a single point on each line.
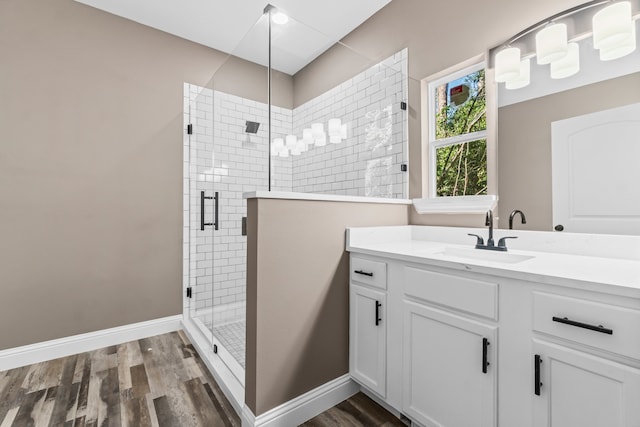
[91, 117]
[298, 294]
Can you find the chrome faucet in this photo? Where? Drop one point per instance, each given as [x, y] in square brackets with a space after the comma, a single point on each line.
[523, 219]
[502, 245]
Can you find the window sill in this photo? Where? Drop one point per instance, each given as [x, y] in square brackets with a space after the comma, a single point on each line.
[455, 205]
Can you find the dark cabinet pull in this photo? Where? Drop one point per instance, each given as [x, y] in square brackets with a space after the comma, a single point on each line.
[598, 328]
[378, 319]
[364, 273]
[215, 210]
[485, 360]
[537, 360]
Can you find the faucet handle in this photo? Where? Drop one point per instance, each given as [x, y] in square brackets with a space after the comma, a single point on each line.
[480, 241]
[502, 242]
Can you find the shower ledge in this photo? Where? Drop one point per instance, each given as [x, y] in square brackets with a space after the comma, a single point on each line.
[321, 197]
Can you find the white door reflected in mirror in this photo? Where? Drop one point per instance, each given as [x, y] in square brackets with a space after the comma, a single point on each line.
[595, 172]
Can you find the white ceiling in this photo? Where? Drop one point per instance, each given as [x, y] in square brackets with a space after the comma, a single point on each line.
[238, 27]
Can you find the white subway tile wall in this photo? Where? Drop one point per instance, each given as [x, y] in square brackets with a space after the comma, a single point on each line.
[220, 156]
[368, 163]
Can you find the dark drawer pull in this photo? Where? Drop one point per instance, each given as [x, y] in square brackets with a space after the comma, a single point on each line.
[598, 328]
[364, 273]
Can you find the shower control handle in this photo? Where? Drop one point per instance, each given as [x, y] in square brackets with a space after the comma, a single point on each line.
[215, 212]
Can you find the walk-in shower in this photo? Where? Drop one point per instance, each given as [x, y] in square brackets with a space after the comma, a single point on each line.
[236, 142]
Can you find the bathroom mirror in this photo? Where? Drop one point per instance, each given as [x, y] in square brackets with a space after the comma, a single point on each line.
[525, 118]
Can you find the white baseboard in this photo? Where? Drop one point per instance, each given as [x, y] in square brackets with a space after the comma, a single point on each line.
[49, 350]
[305, 407]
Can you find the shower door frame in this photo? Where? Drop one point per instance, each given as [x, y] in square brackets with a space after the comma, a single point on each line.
[226, 370]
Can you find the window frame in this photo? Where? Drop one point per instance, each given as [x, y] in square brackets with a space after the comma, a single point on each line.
[431, 144]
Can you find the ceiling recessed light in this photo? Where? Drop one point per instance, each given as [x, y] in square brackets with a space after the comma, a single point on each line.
[279, 18]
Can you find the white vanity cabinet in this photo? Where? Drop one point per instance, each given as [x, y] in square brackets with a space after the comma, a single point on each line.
[545, 340]
[368, 324]
[449, 356]
[578, 348]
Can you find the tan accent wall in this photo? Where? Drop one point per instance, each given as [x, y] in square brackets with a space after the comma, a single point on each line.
[438, 35]
[524, 148]
[297, 294]
[91, 118]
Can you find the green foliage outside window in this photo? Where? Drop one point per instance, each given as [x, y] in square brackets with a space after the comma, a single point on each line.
[461, 169]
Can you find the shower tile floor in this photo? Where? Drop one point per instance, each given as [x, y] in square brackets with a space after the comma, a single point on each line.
[232, 337]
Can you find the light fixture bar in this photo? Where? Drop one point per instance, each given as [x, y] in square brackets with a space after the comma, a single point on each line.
[555, 17]
[543, 23]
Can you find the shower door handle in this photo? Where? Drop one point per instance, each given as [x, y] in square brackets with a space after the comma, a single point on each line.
[215, 200]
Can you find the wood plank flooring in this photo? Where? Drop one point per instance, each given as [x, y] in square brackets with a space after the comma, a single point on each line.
[157, 382]
[357, 411]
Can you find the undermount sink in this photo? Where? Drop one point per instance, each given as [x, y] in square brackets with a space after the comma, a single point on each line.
[485, 255]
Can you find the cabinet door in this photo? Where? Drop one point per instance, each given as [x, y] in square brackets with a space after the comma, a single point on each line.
[581, 390]
[367, 338]
[445, 357]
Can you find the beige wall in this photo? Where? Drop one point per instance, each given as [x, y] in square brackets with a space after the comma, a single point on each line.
[297, 294]
[438, 35]
[91, 117]
[525, 144]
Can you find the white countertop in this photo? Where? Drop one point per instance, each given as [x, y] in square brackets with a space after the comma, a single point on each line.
[599, 263]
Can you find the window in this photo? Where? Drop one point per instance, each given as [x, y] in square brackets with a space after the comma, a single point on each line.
[457, 123]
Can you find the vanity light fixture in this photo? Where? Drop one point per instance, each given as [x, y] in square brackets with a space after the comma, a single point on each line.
[567, 65]
[612, 25]
[507, 64]
[622, 49]
[613, 29]
[524, 77]
[551, 43]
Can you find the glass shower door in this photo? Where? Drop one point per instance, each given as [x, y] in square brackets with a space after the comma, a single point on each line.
[202, 207]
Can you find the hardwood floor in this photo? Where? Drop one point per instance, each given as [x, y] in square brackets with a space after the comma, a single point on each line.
[159, 381]
[357, 411]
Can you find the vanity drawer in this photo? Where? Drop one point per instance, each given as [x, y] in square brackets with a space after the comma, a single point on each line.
[372, 273]
[461, 293]
[604, 326]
